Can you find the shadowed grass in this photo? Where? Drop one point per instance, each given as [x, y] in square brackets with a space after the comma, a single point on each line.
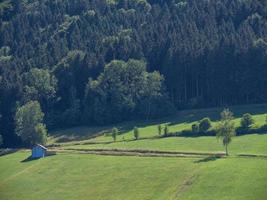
[183, 120]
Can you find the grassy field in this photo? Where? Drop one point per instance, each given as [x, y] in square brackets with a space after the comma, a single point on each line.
[91, 177]
[183, 120]
[76, 175]
[81, 176]
[247, 144]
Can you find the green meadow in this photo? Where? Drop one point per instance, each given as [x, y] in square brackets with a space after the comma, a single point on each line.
[183, 120]
[78, 175]
[246, 144]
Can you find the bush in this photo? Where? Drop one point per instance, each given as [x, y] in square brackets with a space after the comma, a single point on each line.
[204, 124]
[114, 133]
[246, 121]
[159, 129]
[136, 133]
[166, 130]
[195, 128]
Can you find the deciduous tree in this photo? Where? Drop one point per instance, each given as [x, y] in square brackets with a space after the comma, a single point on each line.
[226, 128]
[29, 123]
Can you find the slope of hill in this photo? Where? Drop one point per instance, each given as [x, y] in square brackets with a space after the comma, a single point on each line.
[90, 177]
[207, 53]
[143, 169]
[182, 120]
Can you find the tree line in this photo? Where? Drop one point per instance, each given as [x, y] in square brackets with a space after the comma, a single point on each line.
[104, 61]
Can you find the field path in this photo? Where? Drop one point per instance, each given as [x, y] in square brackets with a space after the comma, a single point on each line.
[139, 152]
[188, 182]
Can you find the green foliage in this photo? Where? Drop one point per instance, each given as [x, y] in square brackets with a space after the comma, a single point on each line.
[125, 89]
[159, 129]
[40, 85]
[204, 124]
[114, 133]
[29, 124]
[40, 135]
[195, 128]
[71, 116]
[246, 121]
[75, 43]
[136, 133]
[166, 130]
[226, 114]
[226, 128]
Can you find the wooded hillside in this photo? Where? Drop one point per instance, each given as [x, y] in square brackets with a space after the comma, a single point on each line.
[61, 53]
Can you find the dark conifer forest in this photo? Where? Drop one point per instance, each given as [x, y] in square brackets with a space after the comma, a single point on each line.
[96, 62]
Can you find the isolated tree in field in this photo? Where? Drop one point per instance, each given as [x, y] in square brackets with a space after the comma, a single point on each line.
[29, 123]
[226, 128]
[136, 133]
[114, 133]
[159, 129]
[166, 130]
[247, 121]
[204, 124]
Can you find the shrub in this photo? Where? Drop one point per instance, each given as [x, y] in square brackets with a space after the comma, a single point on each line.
[204, 124]
[159, 129]
[246, 121]
[166, 130]
[114, 133]
[136, 133]
[195, 128]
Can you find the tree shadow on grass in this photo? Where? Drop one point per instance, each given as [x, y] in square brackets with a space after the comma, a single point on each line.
[208, 159]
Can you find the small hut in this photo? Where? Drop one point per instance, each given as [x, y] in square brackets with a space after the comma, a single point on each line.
[38, 151]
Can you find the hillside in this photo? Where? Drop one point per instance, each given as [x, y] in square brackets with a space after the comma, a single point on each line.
[133, 99]
[181, 120]
[106, 177]
[152, 167]
[99, 138]
[90, 63]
